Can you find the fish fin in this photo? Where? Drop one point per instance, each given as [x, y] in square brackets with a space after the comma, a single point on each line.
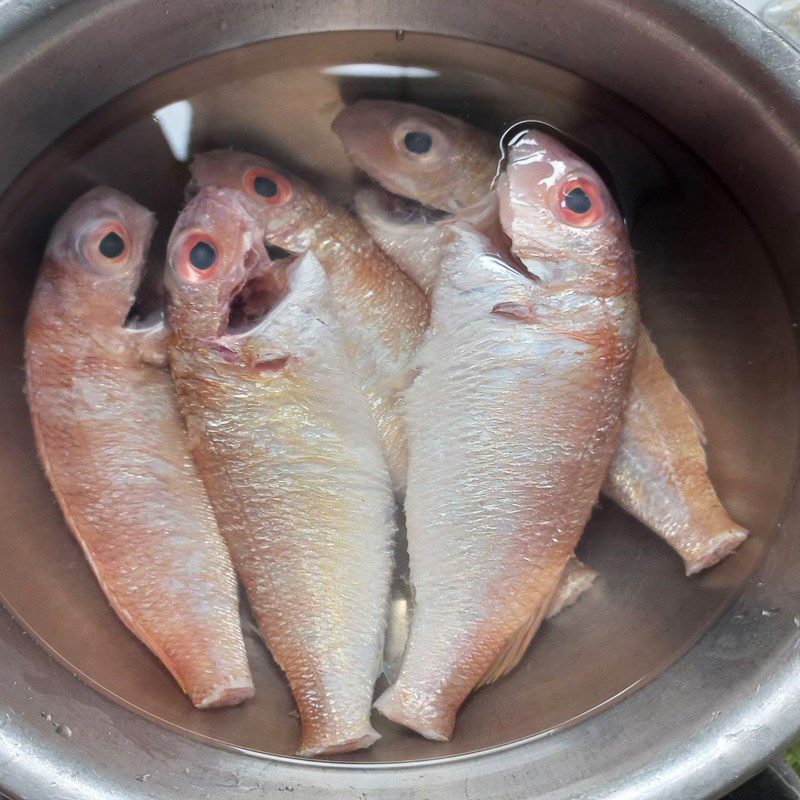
[516, 310]
[151, 344]
[697, 423]
[514, 648]
[271, 364]
[593, 339]
[231, 352]
[576, 579]
[694, 418]
[716, 549]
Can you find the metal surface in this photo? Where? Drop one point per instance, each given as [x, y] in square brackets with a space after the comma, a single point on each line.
[699, 726]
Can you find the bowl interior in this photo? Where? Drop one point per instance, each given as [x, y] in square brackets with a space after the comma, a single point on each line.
[709, 295]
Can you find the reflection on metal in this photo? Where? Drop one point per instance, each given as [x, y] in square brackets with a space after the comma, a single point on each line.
[379, 71]
[784, 16]
[176, 124]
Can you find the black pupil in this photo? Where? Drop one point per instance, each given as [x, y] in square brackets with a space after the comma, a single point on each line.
[577, 201]
[266, 187]
[418, 142]
[111, 245]
[202, 256]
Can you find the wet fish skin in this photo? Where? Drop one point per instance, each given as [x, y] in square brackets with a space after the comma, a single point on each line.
[460, 159]
[417, 244]
[292, 461]
[113, 445]
[576, 579]
[382, 313]
[660, 472]
[512, 422]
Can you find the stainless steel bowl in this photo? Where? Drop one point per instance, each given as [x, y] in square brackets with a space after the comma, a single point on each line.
[678, 689]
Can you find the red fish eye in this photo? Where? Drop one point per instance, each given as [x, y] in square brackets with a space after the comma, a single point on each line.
[267, 186]
[580, 203]
[106, 245]
[198, 258]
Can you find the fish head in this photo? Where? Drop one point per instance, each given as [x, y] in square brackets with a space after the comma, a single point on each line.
[284, 205]
[414, 152]
[560, 217]
[216, 247]
[96, 254]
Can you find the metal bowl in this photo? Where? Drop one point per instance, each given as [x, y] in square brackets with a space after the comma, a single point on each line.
[654, 686]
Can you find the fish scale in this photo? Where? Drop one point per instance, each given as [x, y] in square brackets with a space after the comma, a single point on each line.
[113, 445]
[659, 472]
[383, 314]
[290, 454]
[511, 424]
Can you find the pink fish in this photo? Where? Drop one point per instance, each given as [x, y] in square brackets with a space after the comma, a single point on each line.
[659, 472]
[115, 450]
[290, 453]
[511, 422]
[382, 313]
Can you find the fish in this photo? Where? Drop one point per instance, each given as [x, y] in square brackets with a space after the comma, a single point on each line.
[660, 472]
[576, 579]
[417, 152]
[382, 313]
[113, 445]
[511, 421]
[290, 454]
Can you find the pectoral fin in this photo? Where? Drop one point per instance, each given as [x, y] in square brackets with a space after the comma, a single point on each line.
[521, 311]
[515, 647]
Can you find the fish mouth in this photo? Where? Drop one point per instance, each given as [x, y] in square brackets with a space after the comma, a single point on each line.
[146, 311]
[400, 210]
[143, 319]
[252, 302]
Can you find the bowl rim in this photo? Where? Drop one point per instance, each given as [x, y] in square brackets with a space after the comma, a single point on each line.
[739, 683]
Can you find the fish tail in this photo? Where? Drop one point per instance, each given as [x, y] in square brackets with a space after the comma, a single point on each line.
[316, 743]
[418, 712]
[512, 652]
[229, 692]
[713, 549]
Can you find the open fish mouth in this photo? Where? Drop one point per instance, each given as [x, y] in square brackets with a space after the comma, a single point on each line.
[398, 212]
[143, 318]
[412, 212]
[265, 287]
[147, 309]
[402, 210]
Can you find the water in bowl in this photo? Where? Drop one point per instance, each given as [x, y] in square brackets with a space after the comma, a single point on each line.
[708, 293]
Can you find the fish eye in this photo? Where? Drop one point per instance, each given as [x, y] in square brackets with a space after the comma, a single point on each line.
[264, 186]
[418, 142]
[105, 244]
[577, 201]
[580, 203]
[267, 186]
[111, 246]
[198, 258]
[202, 256]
